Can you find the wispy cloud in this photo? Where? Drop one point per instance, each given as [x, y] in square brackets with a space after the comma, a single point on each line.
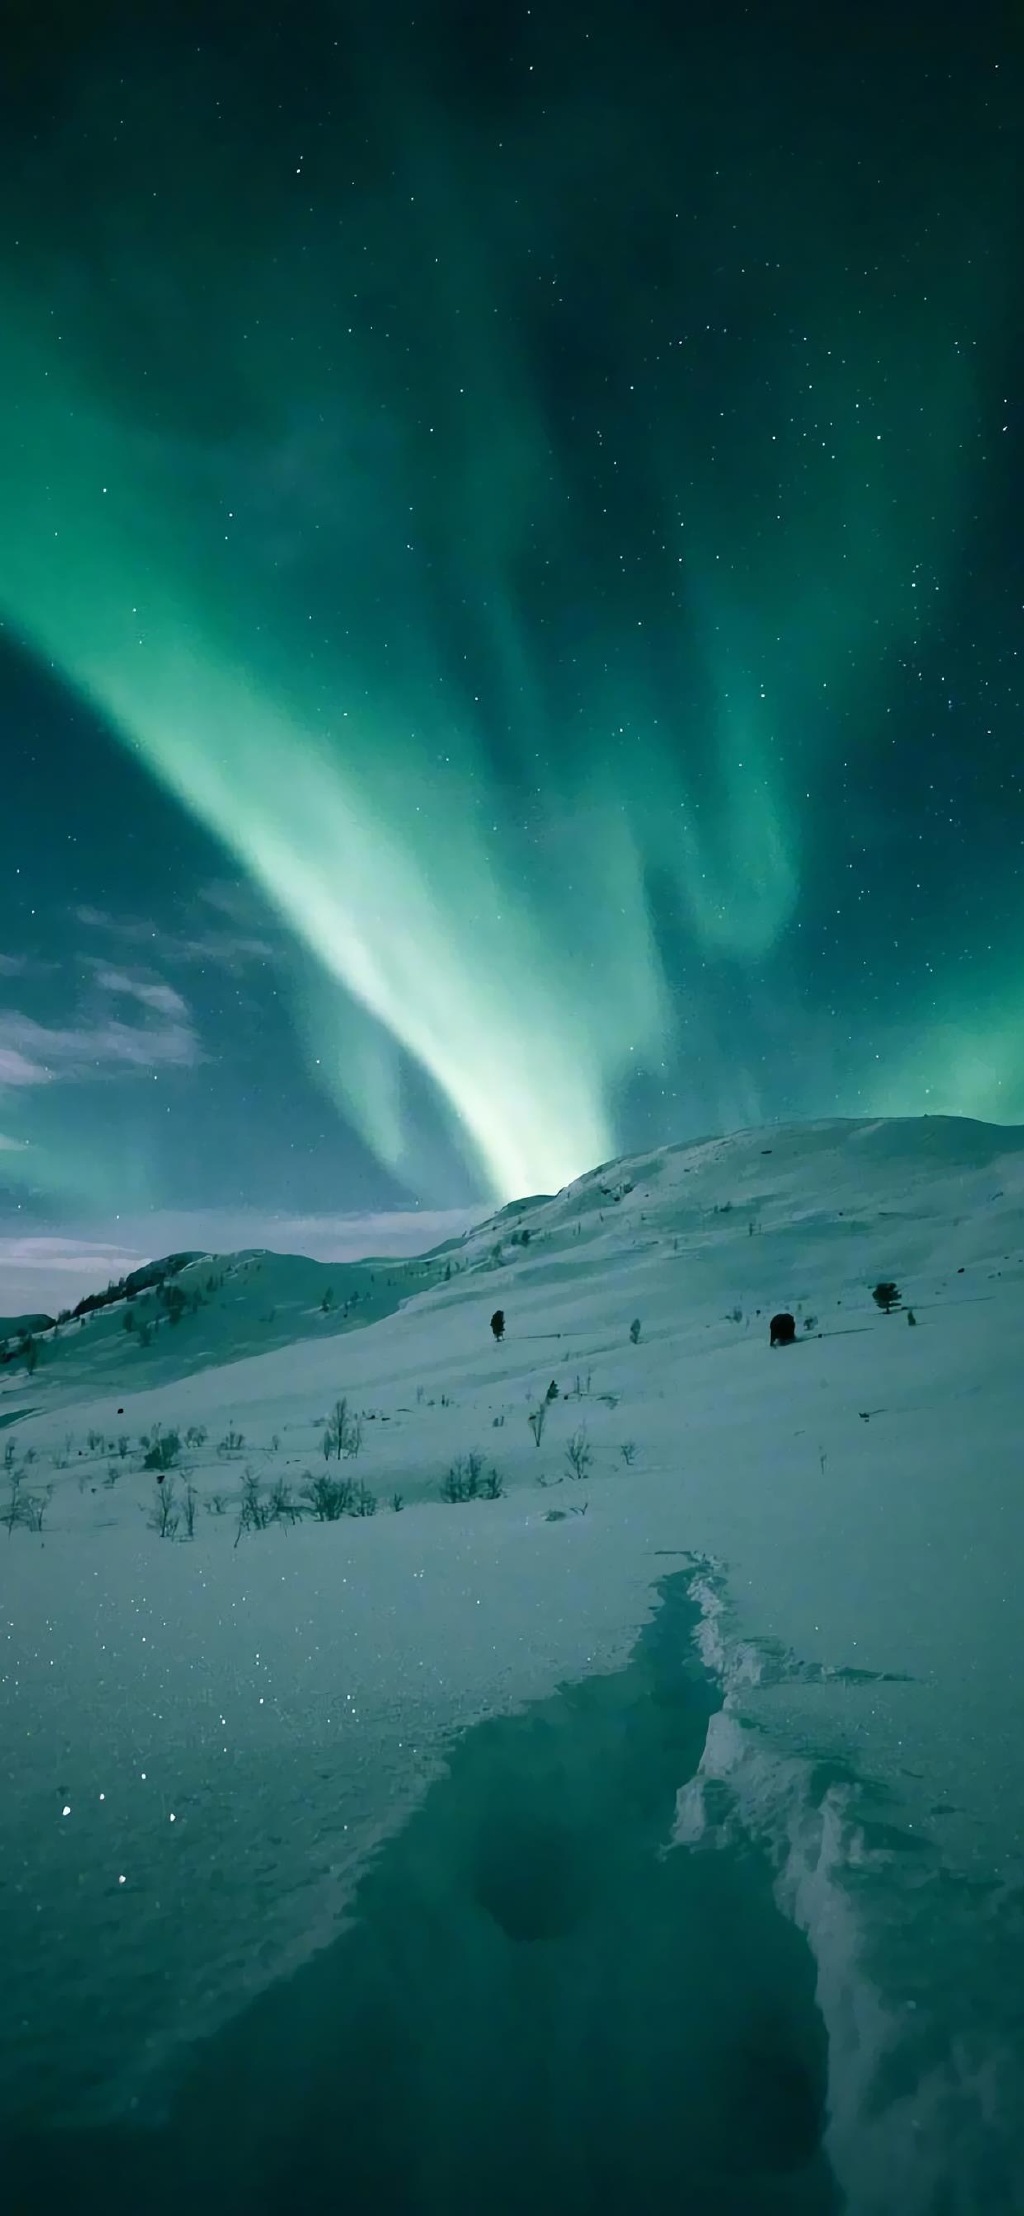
[232, 948]
[17, 1068]
[326, 1238]
[11, 1146]
[34, 1053]
[25, 965]
[41, 1275]
[47, 1271]
[160, 997]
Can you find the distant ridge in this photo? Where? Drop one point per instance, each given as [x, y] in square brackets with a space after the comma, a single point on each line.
[11, 1325]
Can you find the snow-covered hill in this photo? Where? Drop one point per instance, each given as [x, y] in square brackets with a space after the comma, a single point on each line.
[205, 1734]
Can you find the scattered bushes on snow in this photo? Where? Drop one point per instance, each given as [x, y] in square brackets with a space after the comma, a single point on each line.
[23, 1510]
[162, 1449]
[327, 1497]
[467, 1480]
[282, 1507]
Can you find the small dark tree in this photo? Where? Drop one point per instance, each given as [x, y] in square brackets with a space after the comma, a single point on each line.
[552, 1391]
[162, 1451]
[782, 1329]
[498, 1323]
[886, 1295]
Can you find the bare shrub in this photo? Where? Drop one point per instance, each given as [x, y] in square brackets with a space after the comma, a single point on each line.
[254, 1510]
[163, 1514]
[13, 1510]
[282, 1507]
[327, 1497]
[163, 1450]
[466, 1480]
[34, 1507]
[578, 1453]
[343, 1433]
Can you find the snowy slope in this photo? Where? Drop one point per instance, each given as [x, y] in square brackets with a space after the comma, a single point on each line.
[203, 1739]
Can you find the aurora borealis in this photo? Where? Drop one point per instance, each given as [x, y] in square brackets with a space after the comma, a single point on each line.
[526, 510]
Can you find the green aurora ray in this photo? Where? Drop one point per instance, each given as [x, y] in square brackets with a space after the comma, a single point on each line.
[494, 916]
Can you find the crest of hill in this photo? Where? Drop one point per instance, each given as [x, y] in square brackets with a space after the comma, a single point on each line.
[798, 1213]
[845, 1174]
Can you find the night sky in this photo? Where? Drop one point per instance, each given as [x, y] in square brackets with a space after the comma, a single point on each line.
[511, 584]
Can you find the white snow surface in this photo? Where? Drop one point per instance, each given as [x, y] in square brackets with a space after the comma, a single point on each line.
[202, 1741]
